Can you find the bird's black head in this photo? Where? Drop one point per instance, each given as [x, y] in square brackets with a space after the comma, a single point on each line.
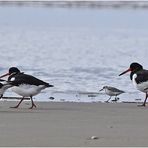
[13, 70]
[134, 67]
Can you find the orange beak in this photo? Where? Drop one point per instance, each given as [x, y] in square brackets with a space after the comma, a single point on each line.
[7, 74]
[125, 71]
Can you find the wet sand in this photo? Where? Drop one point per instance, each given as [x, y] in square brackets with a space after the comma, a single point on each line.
[72, 124]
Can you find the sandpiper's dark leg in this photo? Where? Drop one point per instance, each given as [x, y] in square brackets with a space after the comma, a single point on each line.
[33, 105]
[108, 99]
[18, 103]
[144, 103]
[116, 99]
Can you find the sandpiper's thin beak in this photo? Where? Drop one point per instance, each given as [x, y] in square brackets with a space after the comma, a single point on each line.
[125, 71]
[101, 89]
[4, 75]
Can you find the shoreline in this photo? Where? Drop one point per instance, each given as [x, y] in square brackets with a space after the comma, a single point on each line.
[73, 124]
[66, 101]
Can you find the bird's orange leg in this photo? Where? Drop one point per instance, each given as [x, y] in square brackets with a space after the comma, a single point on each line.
[33, 104]
[144, 103]
[18, 103]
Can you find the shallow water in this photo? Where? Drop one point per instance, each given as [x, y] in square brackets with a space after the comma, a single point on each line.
[79, 50]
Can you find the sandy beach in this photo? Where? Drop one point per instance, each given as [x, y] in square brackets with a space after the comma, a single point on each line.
[73, 124]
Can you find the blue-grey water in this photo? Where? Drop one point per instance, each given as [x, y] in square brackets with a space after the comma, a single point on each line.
[79, 50]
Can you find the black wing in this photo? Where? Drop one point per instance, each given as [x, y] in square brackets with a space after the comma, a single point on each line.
[27, 79]
[142, 76]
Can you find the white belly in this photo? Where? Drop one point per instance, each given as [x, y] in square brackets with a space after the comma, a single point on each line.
[27, 90]
[142, 86]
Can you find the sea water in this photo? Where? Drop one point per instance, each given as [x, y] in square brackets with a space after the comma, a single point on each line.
[78, 50]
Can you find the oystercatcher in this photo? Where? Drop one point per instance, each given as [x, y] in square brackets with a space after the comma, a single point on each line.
[139, 77]
[112, 91]
[25, 85]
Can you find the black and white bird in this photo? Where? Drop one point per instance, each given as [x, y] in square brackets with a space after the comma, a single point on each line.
[112, 91]
[4, 86]
[139, 77]
[25, 85]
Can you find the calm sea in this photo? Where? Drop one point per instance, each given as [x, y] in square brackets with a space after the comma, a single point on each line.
[79, 50]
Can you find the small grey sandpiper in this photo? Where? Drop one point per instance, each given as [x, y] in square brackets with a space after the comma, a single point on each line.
[112, 91]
